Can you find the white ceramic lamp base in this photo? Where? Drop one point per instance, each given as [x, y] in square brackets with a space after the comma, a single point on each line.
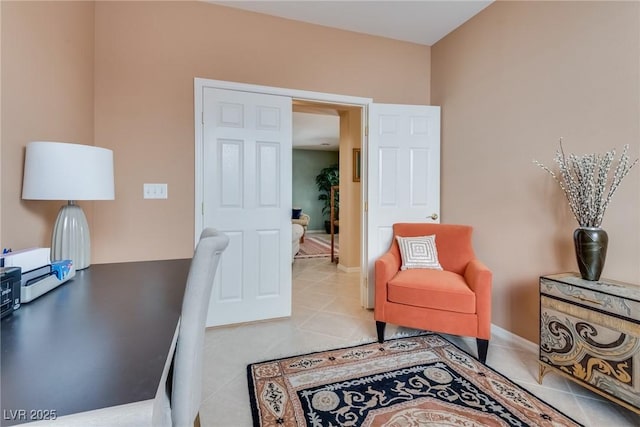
[70, 238]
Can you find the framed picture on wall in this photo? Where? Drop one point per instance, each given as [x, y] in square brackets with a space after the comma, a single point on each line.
[356, 165]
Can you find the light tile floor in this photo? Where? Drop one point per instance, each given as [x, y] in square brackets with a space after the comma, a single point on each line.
[327, 314]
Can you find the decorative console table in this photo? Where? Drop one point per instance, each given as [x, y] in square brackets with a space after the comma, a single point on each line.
[590, 333]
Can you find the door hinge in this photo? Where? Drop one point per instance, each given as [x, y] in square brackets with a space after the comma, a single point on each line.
[366, 206]
[202, 205]
[366, 130]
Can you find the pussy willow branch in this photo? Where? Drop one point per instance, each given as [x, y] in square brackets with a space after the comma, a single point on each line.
[584, 180]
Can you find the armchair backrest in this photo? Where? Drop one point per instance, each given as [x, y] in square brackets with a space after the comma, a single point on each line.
[453, 242]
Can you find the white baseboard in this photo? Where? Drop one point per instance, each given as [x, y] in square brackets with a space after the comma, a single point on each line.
[503, 333]
[348, 269]
[315, 232]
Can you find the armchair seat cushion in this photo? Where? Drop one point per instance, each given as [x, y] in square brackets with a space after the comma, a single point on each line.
[433, 289]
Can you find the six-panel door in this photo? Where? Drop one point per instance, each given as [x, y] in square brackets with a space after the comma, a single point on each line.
[247, 195]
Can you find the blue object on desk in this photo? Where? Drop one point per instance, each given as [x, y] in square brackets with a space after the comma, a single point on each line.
[61, 268]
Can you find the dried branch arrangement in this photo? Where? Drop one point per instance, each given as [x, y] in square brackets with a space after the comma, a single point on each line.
[587, 183]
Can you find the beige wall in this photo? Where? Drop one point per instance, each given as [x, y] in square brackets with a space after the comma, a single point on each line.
[47, 94]
[511, 81]
[131, 65]
[147, 54]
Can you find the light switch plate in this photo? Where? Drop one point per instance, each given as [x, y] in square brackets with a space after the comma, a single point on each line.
[155, 191]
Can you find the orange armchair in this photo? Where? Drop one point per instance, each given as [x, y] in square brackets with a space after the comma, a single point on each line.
[455, 300]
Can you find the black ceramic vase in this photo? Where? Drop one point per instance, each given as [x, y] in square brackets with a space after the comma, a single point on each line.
[591, 251]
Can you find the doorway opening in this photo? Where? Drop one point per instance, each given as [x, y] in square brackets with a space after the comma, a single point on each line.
[206, 120]
[335, 130]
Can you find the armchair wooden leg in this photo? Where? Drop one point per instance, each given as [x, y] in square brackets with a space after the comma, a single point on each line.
[483, 347]
[380, 329]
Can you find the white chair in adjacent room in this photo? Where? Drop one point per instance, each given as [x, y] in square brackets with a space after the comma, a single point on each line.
[297, 232]
[302, 220]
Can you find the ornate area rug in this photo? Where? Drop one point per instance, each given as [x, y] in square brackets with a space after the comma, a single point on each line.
[315, 247]
[415, 381]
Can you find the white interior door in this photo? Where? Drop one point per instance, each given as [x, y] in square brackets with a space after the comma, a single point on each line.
[247, 195]
[403, 174]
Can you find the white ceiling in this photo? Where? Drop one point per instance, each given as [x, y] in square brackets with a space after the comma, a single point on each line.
[312, 131]
[418, 21]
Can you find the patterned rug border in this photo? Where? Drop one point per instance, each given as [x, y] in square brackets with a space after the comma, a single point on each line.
[316, 240]
[254, 404]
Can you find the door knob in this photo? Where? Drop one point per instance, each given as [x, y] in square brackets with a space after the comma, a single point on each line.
[433, 216]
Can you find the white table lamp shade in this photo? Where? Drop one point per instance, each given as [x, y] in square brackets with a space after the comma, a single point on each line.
[62, 171]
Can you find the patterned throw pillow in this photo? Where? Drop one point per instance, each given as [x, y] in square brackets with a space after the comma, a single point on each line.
[419, 252]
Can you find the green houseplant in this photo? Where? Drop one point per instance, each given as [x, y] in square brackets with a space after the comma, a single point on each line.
[327, 178]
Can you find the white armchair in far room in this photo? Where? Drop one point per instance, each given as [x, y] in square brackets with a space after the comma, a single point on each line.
[303, 220]
[296, 235]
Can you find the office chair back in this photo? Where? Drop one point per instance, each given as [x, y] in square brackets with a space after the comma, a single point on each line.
[186, 392]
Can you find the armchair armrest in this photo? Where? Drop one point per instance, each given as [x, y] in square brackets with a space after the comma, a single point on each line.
[479, 278]
[303, 220]
[385, 268]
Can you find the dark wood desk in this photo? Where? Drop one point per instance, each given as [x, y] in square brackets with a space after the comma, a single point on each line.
[99, 340]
